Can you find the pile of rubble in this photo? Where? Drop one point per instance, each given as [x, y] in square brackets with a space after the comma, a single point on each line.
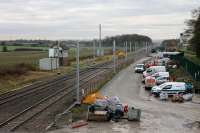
[109, 108]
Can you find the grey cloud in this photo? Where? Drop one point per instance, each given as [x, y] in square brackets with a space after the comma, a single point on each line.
[73, 18]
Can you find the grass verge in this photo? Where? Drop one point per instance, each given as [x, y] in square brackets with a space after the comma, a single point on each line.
[9, 83]
[191, 55]
[181, 76]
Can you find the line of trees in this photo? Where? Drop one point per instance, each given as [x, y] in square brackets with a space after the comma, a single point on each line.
[194, 31]
[120, 39]
[106, 42]
[170, 45]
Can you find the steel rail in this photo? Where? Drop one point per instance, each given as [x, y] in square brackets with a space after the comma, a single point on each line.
[69, 91]
[43, 100]
[40, 84]
[35, 89]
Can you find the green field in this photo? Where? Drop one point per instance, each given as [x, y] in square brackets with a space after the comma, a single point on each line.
[85, 52]
[12, 48]
[32, 57]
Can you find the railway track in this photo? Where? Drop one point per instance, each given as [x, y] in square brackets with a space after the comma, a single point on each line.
[17, 119]
[18, 102]
[45, 83]
[22, 117]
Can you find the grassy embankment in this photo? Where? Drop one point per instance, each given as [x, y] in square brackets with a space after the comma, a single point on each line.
[191, 56]
[13, 75]
[180, 73]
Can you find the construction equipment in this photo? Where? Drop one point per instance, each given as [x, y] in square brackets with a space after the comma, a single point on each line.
[120, 54]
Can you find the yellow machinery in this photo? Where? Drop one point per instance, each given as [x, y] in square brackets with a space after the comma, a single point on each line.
[120, 54]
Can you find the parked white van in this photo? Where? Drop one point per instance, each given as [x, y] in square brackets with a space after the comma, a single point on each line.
[162, 79]
[154, 69]
[169, 88]
[160, 74]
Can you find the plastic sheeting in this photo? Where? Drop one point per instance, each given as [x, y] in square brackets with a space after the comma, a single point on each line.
[92, 98]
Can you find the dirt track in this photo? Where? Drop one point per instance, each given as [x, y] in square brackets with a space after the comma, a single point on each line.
[157, 116]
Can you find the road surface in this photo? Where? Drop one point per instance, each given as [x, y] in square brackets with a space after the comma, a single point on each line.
[157, 116]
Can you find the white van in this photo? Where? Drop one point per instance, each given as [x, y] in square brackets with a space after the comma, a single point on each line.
[169, 88]
[160, 74]
[154, 69]
[161, 77]
[161, 80]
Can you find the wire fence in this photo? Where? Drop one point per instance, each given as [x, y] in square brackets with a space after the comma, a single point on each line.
[190, 68]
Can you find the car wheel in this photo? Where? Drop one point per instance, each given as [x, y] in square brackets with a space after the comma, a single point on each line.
[158, 95]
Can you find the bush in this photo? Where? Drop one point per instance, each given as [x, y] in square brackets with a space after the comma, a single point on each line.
[5, 49]
[18, 69]
[27, 49]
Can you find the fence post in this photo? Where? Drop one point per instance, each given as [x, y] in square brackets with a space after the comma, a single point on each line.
[195, 76]
[186, 67]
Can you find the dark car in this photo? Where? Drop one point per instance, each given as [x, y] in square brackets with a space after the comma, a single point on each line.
[153, 51]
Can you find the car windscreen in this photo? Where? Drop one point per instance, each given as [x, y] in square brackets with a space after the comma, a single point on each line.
[140, 66]
[149, 70]
[162, 85]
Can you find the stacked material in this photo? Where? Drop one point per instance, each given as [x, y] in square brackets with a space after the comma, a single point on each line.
[111, 108]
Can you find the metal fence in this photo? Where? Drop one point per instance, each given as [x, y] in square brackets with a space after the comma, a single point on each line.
[189, 66]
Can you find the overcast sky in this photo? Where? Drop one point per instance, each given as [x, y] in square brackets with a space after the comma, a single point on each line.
[79, 19]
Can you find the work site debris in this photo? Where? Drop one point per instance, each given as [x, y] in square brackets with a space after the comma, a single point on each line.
[91, 99]
[97, 116]
[134, 114]
[188, 97]
[78, 124]
[111, 108]
[163, 96]
[177, 98]
[114, 104]
[102, 103]
[113, 100]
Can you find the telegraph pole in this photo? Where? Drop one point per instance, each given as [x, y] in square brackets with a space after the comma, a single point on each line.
[134, 46]
[114, 56]
[94, 50]
[77, 74]
[146, 47]
[126, 50]
[100, 48]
